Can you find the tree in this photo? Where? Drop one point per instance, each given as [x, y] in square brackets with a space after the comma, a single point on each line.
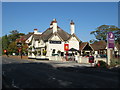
[101, 32]
[12, 48]
[5, 43]
[14, 35]
[8, 41]
[92, 41]
[117, 36]
[0, 46]
[14, 32]
[25, 48]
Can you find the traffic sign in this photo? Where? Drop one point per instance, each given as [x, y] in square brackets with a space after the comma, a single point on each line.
[5, 51]
[19, 44]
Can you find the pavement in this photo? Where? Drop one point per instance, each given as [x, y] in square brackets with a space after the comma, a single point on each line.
[53, 62]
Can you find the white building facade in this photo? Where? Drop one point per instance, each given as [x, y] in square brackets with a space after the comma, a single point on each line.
[52, 41]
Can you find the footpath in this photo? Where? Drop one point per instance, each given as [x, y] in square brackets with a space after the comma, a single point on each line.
[66, 64]
[52, 62]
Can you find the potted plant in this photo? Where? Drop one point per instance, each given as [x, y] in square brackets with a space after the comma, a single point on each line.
[30, 48]
[59, 52]
[44, 53]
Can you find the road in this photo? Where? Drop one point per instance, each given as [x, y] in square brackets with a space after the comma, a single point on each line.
[30, 74]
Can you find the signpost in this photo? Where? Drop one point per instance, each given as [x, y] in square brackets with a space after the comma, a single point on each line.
[66, 48]
[110, 40]
[110, 46]
[19, 45]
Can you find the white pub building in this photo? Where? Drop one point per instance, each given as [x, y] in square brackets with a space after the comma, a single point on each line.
[51, 43]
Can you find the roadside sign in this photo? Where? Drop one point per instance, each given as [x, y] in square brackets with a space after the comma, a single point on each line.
[91, 59]
[66, 47]
[19, 44]
[110, 40]
[5, 51]
[19, 49]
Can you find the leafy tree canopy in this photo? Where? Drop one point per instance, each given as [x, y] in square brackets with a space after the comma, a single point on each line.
[14, 35]
[101, 32]
[8, 41]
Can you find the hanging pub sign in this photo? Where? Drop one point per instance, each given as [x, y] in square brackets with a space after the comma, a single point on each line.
[110, 40]
[66, 47]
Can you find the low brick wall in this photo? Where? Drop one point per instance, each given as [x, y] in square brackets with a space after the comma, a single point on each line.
[86, 59]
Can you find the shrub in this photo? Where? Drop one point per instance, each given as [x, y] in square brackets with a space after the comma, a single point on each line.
[115, 61]
[44, 53]
[102, 64]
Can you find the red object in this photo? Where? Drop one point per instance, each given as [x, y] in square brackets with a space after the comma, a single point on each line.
[91, 61]
[98, 64]
[66, 56]
[66, 47]
[5, 51]
[19, 49]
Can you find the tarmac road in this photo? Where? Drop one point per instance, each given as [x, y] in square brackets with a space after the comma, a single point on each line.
[30, 74]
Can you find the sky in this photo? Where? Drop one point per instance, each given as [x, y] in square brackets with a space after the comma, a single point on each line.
[87, 16]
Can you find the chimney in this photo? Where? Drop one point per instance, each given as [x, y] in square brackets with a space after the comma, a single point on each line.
[51, 24]
[54, 24]
[72, 27]
[35, 31]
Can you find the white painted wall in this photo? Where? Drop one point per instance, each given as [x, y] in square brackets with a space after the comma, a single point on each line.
[33, 44]
[96, 52]
[55, 46]
[36, 44]
[55, 38]
[41, 44]
[74, 43]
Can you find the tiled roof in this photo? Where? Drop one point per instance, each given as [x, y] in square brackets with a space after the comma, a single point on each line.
[99, 45]
[64, 35]
[49, 32]
[37, 36]
[28, 35]
[24, 37]
[83, 44]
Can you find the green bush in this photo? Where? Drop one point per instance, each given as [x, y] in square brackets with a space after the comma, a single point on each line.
[115, 61]
[102, 64]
